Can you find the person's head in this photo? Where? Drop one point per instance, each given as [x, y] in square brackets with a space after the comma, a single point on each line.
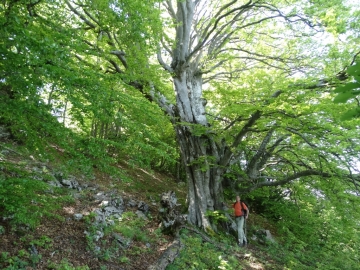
[237, 198]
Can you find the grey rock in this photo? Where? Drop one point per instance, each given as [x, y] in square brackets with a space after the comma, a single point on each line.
[98, 235]
[33, 250]
[141, 214]
[111, 222]
[269, 237]
[104, 203]
[118, 202]
[143, 207]
[77, 195]
[102, 198]
[169, 213]
[264, 236]
[111, 210]
[78, 216]
[122, 241]
[55, 183]
[66, 183]
[131, 203]
[4, 134]
[116, 216]
[99, 216]
[69, 183]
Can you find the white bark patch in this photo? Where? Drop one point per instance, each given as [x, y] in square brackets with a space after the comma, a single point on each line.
[196, 101]
[189, 98]
[182, 99]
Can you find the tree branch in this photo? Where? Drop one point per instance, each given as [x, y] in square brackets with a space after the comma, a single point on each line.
[228, 152]
[121, 56]
[288, 179]
[81, 16]
[91, 17]
[253, 166]
[218, 17]
[162, 63]
[302, 136]
[264, 157]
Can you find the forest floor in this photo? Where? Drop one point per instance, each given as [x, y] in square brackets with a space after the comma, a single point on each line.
[61, 243]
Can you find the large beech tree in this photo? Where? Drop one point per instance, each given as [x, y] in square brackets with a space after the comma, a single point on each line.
[221, 41]
[243, 113]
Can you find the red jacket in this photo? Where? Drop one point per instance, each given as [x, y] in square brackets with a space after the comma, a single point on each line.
[238, 207]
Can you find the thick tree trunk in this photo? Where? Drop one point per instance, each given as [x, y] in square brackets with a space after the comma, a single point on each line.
[198, 151]
[204, 178]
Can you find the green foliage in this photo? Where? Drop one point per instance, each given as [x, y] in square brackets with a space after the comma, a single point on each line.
[65, 265]
[132, 227]
[30, 122]
[216, 216]
[24, 196]
[43, 241]
[351, 90]
[14, 262]
[314, 230]
[25, 201]
[22, 260]
[49, 81]
[124, 259]
[333, 14]
[106, 248]
[199, 255]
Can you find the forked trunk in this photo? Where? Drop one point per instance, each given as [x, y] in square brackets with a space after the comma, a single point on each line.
[203, 176]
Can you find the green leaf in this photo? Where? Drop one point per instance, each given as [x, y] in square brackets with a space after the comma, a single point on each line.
[343, 97]
[354, 70]
[350, 114]
[347, 87]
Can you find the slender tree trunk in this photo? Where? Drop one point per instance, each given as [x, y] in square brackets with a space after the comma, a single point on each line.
[50, 95]
[64, 114]
[102, 130]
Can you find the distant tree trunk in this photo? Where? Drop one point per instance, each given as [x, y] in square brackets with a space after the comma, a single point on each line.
[64, 114]
[94, 126]
[50, 95]
[102, 130]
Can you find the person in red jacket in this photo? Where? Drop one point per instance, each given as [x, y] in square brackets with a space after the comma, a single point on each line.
[241, 213]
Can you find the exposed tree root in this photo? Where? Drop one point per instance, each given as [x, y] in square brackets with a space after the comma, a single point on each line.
[171, 253]
[168, 256]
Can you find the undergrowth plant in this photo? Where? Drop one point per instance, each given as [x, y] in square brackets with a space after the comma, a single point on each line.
[65, 265]
[131, 227]
[310, 232]
[197, 254]
[102, 239]
[24, 201]
[22, 260]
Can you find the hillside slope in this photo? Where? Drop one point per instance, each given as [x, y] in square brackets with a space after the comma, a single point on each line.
[54, 220]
